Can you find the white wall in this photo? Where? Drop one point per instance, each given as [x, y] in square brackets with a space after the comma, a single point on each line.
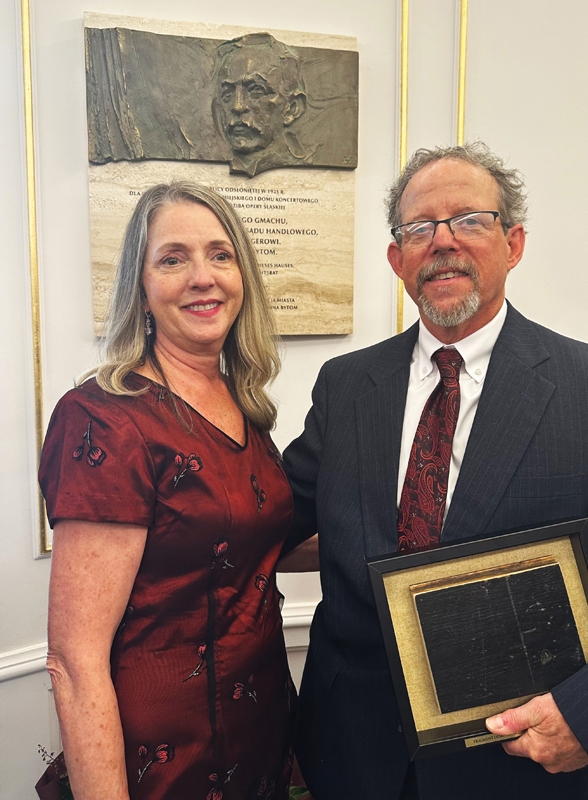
[68, 343]
[527, 84]
[24, 703]
[526, 90]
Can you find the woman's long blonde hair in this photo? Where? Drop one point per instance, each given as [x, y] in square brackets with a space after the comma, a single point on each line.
[249, 358]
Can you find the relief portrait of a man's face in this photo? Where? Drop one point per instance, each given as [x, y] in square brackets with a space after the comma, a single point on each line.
[259, 93]
[251, 101]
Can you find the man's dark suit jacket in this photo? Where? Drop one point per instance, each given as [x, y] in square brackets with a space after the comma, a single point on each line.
[526, 465]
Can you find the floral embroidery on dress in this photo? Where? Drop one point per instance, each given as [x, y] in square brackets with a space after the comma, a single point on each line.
[261, 583]
[201, 653]
[267, 788]
[55, 777]
[95, 455]
[216, 793]
[219, 549]
[240, 690]
[192, 463]
[163, 753]
[260, 494]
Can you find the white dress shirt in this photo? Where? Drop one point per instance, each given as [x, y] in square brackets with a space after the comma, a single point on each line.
[475, 350]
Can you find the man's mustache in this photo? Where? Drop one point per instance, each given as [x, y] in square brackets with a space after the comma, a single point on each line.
[446, 264]
[240, 123]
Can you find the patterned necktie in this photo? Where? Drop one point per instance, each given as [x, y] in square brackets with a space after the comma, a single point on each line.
[422, 502]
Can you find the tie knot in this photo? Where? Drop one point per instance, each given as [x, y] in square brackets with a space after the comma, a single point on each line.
[449, 363]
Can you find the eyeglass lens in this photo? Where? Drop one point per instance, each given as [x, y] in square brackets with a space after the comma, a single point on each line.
[463, 226]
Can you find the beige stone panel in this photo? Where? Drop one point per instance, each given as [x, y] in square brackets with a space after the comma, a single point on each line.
[301, 223]
[175, 28]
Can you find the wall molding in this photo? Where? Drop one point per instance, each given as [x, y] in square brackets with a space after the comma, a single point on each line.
[298, 615]
[25, 661]
[28, 660]
[297, 618]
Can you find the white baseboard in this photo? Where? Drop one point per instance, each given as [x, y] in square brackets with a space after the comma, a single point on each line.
[27, 660]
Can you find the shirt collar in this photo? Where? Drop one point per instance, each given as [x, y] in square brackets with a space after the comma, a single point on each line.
[475, 349]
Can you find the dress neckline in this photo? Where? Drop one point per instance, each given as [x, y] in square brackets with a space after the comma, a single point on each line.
[160, 391]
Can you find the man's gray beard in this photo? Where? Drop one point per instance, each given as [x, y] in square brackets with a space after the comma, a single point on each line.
[464, 309]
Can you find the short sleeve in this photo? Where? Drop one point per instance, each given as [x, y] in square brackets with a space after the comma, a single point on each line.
[95, 463]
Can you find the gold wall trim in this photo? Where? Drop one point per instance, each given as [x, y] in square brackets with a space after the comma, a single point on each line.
[402, 137]
[461, 75]
[403, 113]
[44, 545]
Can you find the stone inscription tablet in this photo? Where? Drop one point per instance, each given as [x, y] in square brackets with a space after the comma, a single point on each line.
[499, 638]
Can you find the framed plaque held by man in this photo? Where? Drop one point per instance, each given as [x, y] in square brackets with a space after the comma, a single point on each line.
[474, 628]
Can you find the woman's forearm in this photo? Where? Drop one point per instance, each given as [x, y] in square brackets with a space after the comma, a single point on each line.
[91, 731]
[92, 575]
[304, 558]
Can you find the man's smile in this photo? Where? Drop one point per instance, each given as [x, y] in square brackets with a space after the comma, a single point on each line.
[446, 268]
[444, 276]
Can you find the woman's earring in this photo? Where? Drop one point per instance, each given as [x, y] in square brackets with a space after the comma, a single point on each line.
[148, 326]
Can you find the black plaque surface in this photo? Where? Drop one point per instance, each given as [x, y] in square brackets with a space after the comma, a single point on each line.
[500, 638]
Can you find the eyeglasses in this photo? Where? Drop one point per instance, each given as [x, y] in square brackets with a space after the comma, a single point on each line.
[464, 227]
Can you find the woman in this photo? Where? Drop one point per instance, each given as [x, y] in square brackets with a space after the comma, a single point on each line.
[169, 507]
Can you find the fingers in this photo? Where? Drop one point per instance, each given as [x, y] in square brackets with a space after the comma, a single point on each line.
[504, 724]
[546, 737]
[515, 720]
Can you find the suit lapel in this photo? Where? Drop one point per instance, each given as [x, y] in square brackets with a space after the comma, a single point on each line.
[379, 415]
[511, 406]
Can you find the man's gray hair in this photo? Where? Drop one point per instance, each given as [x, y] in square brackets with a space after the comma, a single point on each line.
[511, 184]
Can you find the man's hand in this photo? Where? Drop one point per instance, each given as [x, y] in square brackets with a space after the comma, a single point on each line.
[546, 736]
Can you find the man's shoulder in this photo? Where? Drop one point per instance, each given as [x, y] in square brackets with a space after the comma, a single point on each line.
[556, 344]
[560, 340]
[390, 352]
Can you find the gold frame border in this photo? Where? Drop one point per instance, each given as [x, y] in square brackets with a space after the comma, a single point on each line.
[409, 638]
[27, 70]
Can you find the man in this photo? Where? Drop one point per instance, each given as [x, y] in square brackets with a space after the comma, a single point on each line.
[517, 458]
[260, 93]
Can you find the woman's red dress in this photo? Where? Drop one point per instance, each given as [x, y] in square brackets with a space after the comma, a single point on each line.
[198, 663]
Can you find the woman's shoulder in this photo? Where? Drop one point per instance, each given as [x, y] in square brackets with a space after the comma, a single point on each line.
[98, 453]
[91, 392]
[91, 398]
[108, 422]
